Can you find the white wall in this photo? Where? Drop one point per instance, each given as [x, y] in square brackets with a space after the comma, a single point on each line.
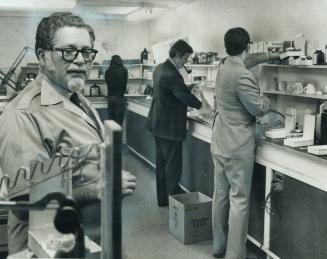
[203, 21]
[112, 37]
[206, 21]
[124, 39]
[17, 32]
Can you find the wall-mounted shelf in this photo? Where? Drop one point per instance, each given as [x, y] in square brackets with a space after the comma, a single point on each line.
[148, 65]
[140, 71]
[271, 74]
[210, 84]
[95, 81]
[313, 96]
[132, 65]
[296, 66]
[203, 65]
[96, 66]
[135, 78]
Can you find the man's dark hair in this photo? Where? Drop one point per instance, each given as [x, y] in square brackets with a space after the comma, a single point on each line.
[236, 41]
[49, 25]
[180, 48]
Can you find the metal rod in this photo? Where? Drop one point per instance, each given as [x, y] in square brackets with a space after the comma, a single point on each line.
[23, 205]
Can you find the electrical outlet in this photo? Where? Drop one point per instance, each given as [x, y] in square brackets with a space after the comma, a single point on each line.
[277, 182]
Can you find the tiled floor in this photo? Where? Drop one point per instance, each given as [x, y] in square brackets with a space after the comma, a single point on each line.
[145, 225]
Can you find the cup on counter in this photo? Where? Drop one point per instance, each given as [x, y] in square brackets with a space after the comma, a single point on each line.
[282, 86]
[310, 89]
[298, 88]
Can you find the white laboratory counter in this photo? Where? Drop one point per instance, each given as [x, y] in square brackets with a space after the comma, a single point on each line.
[295, 162]
[274, 157]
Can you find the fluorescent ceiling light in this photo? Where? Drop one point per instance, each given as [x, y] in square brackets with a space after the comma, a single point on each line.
[144, 14]
[37, 4]
[119, 10]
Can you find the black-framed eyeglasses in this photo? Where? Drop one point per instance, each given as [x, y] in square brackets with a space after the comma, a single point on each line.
[70, 54]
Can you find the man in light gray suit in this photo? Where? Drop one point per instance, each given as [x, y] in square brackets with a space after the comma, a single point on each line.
[239, 101]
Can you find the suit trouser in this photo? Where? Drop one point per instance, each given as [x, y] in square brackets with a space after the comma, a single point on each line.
[168, 168]
[230, 209]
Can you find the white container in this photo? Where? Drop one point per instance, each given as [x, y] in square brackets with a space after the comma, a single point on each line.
[319, 150]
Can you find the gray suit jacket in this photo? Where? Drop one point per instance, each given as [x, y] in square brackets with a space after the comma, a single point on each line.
[238, 102]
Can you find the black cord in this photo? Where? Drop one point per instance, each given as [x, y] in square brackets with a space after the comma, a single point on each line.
[268, 206]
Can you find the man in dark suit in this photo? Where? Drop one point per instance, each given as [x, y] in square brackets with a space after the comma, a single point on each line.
[167, 119]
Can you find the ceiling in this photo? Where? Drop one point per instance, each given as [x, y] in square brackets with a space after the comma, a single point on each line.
[123, 10]
[132, 3]
[128, 9]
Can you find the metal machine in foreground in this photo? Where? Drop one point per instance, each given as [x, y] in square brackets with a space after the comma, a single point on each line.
[59, 218]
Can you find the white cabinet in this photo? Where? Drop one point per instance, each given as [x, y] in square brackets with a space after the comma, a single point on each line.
[207, 72]
[140, 76]
[134, 83]
[271, 75]
[134, 71]
[303, 103]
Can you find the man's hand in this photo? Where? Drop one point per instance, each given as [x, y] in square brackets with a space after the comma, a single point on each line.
[196, 89]
[274, 56]
[206, 107]
[191, 86]
[128, 183]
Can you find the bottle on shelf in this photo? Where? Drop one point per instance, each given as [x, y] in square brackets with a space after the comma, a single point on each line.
[144, 56]
[296, 126]
[320, 57]
[195, 59]
[100, 72]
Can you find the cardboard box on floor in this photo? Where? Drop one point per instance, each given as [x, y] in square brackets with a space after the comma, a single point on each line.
[190, 217]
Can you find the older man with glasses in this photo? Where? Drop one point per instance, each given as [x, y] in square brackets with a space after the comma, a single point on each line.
[50, 115]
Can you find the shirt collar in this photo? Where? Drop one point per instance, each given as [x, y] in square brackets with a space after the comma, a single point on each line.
[171, 61]
[236, 59]
[51, 93]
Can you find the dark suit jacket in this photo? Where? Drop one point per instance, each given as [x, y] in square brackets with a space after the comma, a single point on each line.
[167, 117]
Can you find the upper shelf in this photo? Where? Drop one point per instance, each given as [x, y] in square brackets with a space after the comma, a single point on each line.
[313, 96]
[148, 65]
[296, 66]
[202, 65]
[95, 81]
[187, 65]
[153, 65]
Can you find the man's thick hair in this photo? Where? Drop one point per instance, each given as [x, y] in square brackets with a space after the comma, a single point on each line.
[49, 25]
[180, 48]
[236, 41]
